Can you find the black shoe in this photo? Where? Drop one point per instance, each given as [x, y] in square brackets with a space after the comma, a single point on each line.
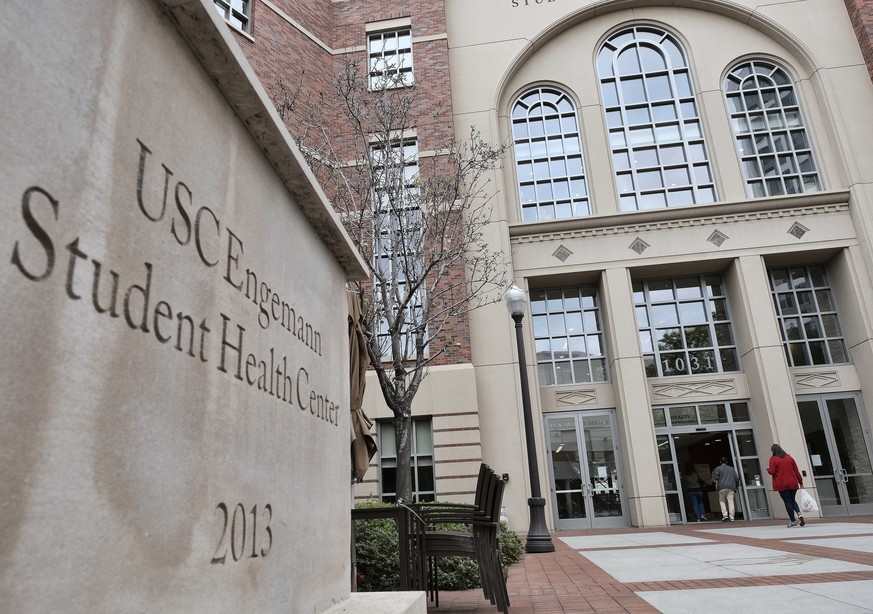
[725, 519]
[802, 521]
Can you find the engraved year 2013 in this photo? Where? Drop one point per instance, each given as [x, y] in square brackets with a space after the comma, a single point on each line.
[235, 532]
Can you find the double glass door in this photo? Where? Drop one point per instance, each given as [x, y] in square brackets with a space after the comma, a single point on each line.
[584, 471]
[837, 437]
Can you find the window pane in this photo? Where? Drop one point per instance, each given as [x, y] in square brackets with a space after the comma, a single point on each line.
[642, 316]
[386, 440]
[423, 439]
[581, 371]
[425, 476]
[642, 110]
[646, 341]
[740, 413]
[692, 313]
[745, 440]
[690, 336]
[669, 339]
[661, 290]
[698, 337]
[563, 354]
[545, 374]
[729, 360]
[805, 307]
[713, 414]
[838, 351]
[557, 157]
[664, 314]
[683, 415]
[768, 130]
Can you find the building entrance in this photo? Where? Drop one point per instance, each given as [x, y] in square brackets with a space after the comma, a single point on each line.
[837, 439]
[699, 454]
[691, 439]
[586, 484]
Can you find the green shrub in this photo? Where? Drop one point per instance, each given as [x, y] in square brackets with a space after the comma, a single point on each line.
[376, 551]
[510, 547]
[378, 559]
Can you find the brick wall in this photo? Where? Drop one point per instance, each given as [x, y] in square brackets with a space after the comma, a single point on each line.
[295, 68]
[861, 14]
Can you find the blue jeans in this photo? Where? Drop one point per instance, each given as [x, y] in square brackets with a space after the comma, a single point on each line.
[790, 504]
[696, 496]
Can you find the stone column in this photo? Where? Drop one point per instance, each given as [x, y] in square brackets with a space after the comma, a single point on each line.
[639, 452]
[762, 359]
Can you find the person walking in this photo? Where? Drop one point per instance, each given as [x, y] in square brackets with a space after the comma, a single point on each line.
[786, 481]
[726, 483]
[694, 488]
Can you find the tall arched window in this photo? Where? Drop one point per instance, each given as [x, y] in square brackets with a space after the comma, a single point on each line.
[548, 156]
[658, 150]
[772, 143]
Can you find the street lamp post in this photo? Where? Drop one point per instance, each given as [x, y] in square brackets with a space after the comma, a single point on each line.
[538, 538]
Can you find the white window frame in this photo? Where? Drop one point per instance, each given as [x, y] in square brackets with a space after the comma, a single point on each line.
[655, 130]
[238, 13]
[569, 340]
[773, 145]
[388, 246]
[549, 160]
[389, 58]
[805, 304]
[422, 457]
[695, 306]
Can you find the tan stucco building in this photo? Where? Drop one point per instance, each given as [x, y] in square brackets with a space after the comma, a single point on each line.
[686, 198]
[710, 329]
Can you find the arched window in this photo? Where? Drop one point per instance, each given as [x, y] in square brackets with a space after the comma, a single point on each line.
[658, 151]
[772, 143]
[548, 156]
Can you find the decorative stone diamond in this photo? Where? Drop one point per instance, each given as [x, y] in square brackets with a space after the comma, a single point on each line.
[576, 397]
[717, 238]
[562, 253]
[639, 246]
[797, 230]
[823, 379]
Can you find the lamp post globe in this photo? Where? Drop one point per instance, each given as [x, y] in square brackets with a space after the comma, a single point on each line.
[516, 301]
[538, 538]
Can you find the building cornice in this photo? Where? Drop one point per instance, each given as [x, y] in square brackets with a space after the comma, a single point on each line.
[700, 215]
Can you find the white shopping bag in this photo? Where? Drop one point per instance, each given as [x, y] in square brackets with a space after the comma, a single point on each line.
[807, 503]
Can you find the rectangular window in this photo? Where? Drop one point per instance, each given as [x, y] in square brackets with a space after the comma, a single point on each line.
[237, 13]
[423, 480]
[389, 56]
[568, 336]
[398, 234]
[807, 314]
[684, 326]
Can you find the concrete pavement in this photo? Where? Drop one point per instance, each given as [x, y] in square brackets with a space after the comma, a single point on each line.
[715, 567]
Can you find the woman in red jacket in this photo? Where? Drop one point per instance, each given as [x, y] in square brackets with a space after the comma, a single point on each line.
[786, 480]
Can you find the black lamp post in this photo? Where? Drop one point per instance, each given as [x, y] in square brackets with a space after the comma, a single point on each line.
[538, 538]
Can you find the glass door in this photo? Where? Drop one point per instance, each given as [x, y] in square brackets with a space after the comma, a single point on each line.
[837, 441]
[584, 471]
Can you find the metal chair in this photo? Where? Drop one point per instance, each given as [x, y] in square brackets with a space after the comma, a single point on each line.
[479, 543]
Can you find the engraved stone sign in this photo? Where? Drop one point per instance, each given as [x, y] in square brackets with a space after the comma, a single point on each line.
[174, 374]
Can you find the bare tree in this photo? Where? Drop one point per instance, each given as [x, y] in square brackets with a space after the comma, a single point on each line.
[418, 221]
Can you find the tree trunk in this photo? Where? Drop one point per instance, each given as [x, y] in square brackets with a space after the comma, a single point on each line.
[403, 439]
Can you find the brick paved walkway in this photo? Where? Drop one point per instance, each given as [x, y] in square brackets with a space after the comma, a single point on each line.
[567, 582]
